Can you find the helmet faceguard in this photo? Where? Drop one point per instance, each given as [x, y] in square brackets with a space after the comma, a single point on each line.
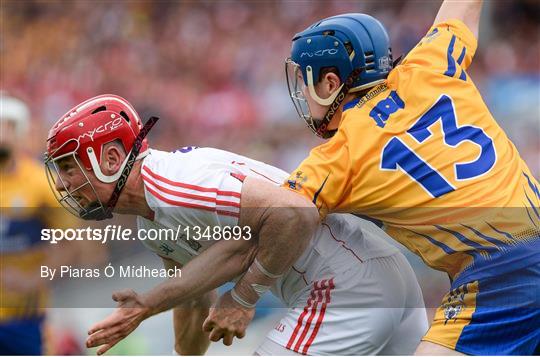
[297, 86]
[357, 45]
[81, 135]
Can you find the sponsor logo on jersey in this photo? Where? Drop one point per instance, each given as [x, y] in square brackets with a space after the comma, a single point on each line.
[372, 94]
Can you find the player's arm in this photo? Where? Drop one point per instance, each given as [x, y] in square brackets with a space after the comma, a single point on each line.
[189, 337]
[467, 11]
[284, 221]
[220, 263]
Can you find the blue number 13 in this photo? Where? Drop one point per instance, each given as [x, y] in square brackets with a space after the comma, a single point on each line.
[396, 153]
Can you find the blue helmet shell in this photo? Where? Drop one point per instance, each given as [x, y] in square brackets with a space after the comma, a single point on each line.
[328, 43]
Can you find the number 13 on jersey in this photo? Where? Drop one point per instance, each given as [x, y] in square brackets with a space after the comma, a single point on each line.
[397, 155]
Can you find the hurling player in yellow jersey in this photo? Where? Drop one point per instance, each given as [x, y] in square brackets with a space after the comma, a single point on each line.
[413, 146]
[26, 207]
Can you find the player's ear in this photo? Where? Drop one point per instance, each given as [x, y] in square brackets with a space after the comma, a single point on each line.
[332, 82]
[112, 159]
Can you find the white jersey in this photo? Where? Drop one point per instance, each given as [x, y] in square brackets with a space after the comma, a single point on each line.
[201, 187]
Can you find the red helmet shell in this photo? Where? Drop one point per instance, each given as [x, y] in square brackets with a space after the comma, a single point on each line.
[92, 124]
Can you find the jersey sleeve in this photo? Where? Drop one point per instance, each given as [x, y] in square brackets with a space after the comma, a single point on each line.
[324, 176]
[192, 193]
[448, 48]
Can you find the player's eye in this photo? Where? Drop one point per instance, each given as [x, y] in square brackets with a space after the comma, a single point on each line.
[65, 167]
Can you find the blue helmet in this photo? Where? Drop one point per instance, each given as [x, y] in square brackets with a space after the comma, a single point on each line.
[356, 44]
[347, 42]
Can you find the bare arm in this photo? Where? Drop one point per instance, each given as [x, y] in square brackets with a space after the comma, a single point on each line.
[222, 262]
[284, 221]
[468, 11]
[189, 337]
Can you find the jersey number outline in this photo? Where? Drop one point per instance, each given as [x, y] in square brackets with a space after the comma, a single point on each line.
[396, 154]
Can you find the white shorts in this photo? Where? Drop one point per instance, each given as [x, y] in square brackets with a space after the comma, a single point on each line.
[374, 308]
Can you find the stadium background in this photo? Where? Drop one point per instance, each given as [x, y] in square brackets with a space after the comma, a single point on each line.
[214, 72]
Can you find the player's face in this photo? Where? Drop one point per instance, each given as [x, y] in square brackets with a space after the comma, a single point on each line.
[312, 101]
[78, 186]
[317, 110]
[324, 89]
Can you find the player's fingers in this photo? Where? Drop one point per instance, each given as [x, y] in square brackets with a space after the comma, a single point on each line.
[208, 325]
[240, 334]
[228, 338]
[106, 347]
[110, 321]
[215, 335]
[105, 336]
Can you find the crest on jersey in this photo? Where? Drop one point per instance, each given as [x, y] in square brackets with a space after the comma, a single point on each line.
[165, 249]
[453, 306]
[451, 312]
[296, 182]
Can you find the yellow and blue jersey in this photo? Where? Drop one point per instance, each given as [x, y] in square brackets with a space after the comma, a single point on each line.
[422, 154]
[26, 207]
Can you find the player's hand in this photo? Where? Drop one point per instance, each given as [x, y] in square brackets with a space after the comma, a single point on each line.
[128, 315]
[227, 319]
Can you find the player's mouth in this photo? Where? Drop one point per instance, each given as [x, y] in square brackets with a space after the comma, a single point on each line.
[80, 200]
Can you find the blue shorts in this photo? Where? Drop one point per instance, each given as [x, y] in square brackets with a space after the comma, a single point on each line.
[492, 316]
[22, 337]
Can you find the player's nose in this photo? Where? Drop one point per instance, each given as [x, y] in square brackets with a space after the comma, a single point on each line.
[61, 184]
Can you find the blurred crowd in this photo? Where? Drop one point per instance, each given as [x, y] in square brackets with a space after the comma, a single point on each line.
[214, 70]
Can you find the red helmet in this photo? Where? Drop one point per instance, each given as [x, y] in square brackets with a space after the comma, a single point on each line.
[88, 126]
[81, 133]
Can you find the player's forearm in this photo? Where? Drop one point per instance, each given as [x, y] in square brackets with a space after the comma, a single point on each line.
[468, 11]
[220, 263]
[285, 231]
[188, 318]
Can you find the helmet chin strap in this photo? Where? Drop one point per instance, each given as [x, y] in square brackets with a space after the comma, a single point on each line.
[339, 97]
[95, 210]
[314, 95]
[97, 169]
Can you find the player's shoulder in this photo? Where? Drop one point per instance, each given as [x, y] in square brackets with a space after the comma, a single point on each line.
[175, 164]
[368, 113]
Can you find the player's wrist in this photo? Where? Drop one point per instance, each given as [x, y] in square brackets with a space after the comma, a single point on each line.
[148, 308]
[253, 284]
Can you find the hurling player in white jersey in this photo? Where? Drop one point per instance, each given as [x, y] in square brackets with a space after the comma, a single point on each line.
[348, 293]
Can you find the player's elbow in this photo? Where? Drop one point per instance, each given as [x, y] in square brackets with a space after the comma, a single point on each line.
[295, 215]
